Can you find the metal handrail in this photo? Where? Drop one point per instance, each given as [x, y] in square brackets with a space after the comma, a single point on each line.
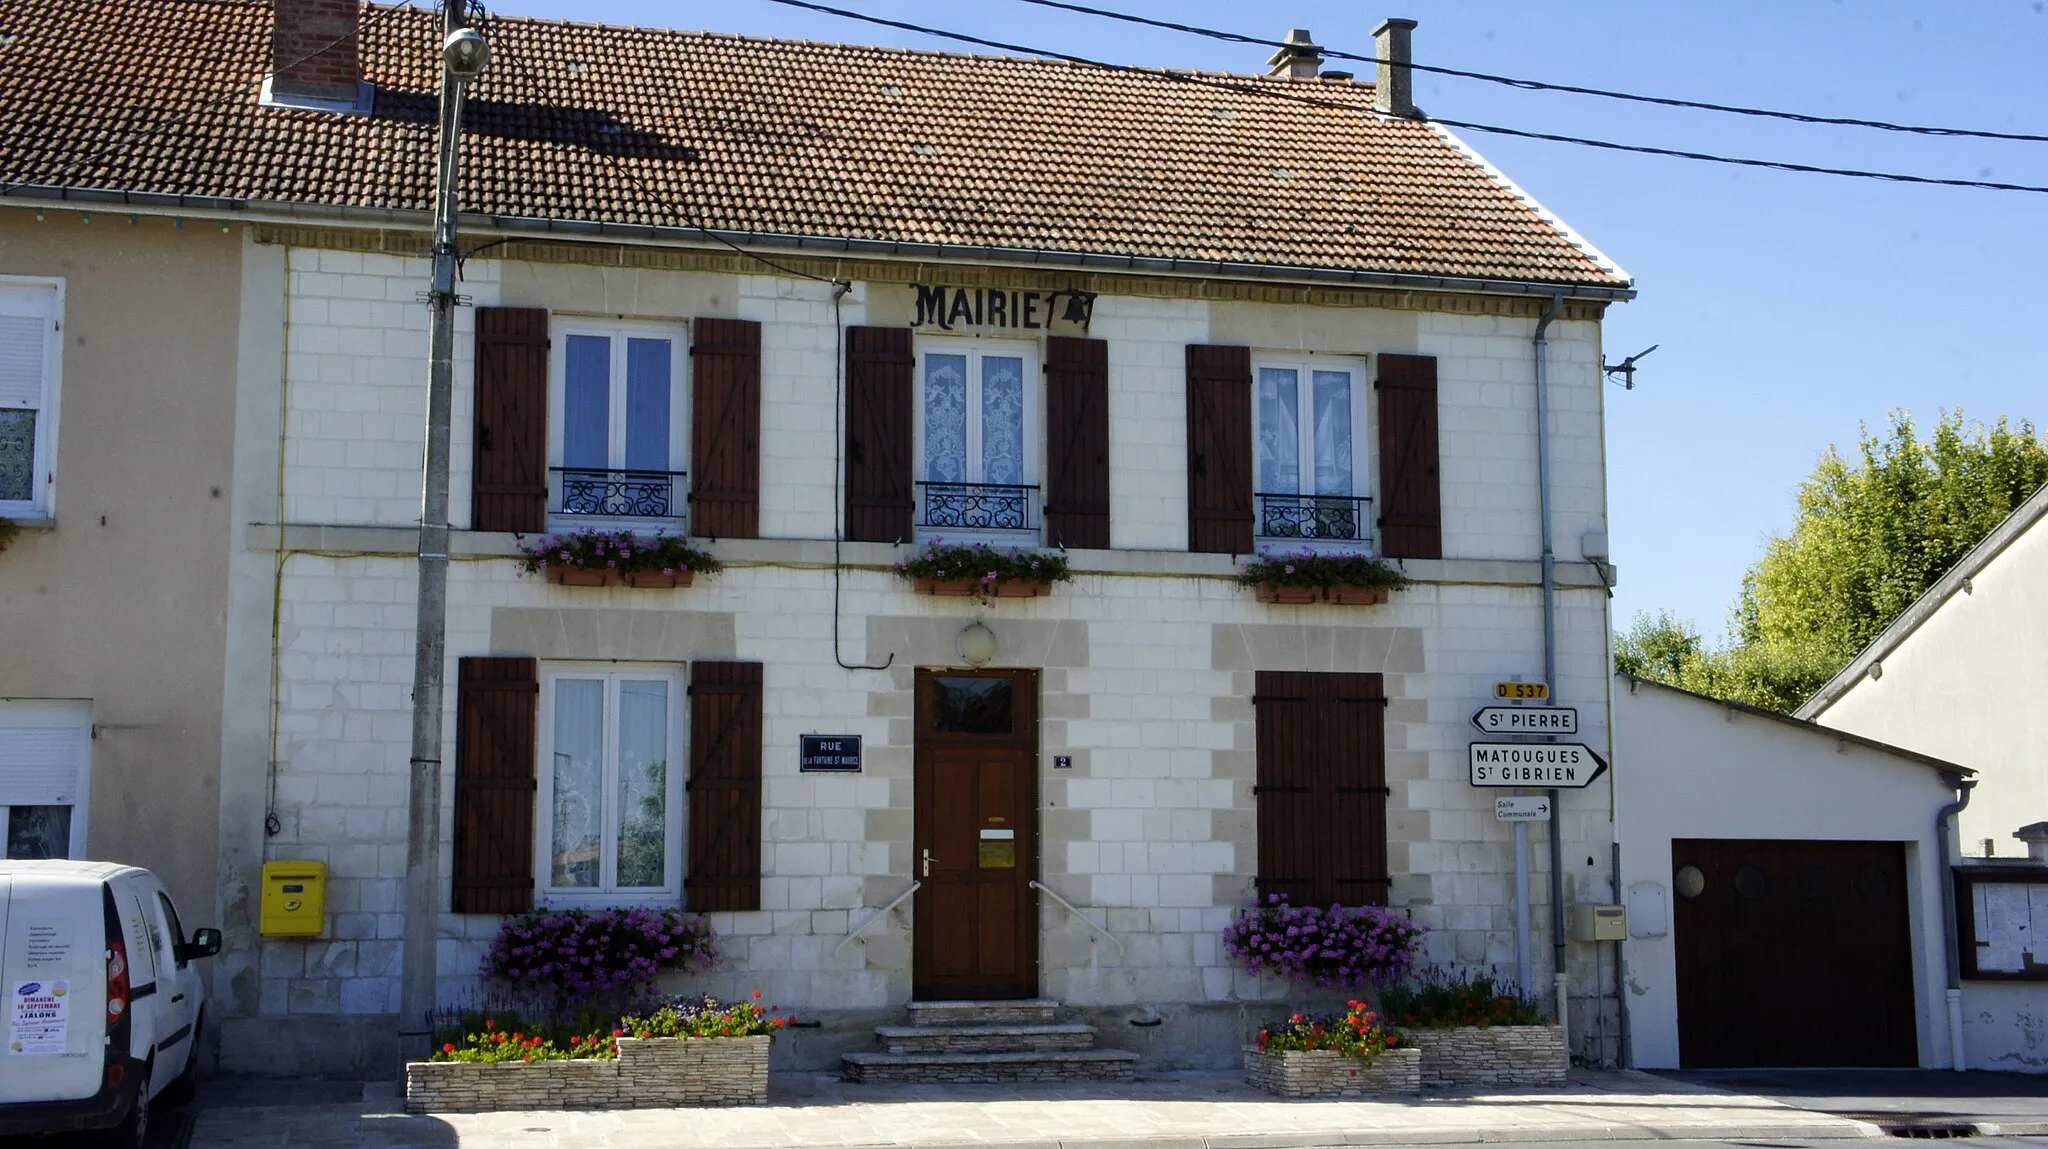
[1292, 515]
[977, 506]
[1072, 909]
[915, 885]
[618, 492]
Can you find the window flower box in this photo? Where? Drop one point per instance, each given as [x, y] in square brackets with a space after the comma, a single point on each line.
[981, 572]
[1311, 577]
[978, 588]
[614, 558]
[648, 1073]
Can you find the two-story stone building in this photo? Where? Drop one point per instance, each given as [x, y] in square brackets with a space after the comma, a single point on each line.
[813, 306]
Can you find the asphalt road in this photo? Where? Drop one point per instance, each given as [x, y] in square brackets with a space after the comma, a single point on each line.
[1897, 1099]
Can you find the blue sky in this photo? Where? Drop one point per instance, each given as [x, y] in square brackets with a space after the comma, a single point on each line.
[1790, 309]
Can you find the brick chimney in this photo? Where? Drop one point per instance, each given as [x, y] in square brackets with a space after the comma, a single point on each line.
[315, 53]
[1302, 58]
[1394, 95]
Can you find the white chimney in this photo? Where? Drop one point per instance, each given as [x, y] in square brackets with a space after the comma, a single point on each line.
[1394, 95]
[1301, 59]
[2036, 838]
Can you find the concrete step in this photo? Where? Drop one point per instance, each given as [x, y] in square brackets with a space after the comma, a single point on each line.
[984, 1038]
[990, 1068]
[1025, 1011]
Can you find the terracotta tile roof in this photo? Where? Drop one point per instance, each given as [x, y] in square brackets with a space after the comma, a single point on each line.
[640, 126]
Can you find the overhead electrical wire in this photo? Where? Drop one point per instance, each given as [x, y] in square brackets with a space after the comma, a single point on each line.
[1274, 92]
[1544, 86]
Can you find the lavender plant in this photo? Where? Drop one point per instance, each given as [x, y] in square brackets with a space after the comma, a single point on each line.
[1339, 947]
[612, 956]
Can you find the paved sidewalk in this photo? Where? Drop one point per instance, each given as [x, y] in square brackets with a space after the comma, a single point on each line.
[1209, 1110]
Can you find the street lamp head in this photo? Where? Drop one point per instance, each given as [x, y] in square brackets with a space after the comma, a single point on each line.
[466, 53]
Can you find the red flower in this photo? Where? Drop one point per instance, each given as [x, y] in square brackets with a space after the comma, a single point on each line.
[757, 995]
[778, 1022]
[618, 1033]
[448, 1047]
[574, 1040]
[489, 1024]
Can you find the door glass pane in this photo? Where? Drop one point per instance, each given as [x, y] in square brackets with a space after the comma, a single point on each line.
[586, 402]
[1279, 431]
[1333, 432]
[972, 705]
[17, 454]
[647, 400]
[578, 816]
[37, 833]
[643, 783]
[945, 418]
[1002, 419]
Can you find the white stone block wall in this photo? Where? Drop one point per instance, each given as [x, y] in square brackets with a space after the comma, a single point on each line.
[1146, 679]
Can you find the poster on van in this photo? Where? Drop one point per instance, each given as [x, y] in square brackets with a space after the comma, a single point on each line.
[36, 1015]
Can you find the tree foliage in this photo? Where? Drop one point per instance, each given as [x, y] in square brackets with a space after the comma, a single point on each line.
[1869, 538]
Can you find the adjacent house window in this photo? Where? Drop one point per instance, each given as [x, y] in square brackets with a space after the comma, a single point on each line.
[31, 314]
[45, 762]
[977, 439]
[616, 427]
[1308, 452]
[610, 826]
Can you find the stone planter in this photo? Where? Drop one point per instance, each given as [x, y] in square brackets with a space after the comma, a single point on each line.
[1336, 595]
[578, 576]
[1518, 1056]
[658, 1073]
[975, 588]
[1325, 1074]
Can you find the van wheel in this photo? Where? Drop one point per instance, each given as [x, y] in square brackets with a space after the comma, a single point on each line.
[133, 1131]
[185, 1086]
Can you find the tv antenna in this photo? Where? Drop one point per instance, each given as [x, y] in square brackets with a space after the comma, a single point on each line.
[1627, 368]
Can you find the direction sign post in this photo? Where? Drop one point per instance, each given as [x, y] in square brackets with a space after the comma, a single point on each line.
[1527, 719]
[1522, 808]
[1555, 765]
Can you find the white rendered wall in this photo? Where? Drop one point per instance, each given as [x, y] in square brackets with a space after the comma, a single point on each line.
[1687, 767]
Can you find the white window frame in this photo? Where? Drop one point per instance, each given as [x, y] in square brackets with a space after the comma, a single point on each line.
[1363, 431]
[41, 504]
[609, 893]
[619, 331]
[976, 349]
[71, 721]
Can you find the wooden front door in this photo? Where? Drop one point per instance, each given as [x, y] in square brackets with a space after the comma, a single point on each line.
[1792, 953]
[976, 841]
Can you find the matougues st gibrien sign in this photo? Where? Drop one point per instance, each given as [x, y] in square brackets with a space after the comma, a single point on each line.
[1563, 765]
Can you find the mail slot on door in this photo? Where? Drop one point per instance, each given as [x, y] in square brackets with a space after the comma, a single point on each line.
[998, 850]
[294, 899]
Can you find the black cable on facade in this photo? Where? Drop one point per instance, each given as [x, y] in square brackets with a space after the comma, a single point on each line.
[1543, 86]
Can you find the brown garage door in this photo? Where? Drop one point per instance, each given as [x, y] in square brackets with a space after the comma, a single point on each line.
[1792, 954]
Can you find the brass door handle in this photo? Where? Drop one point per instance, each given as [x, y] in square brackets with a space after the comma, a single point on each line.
[927, 863]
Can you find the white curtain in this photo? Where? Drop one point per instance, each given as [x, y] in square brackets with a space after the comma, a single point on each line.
[578, 816]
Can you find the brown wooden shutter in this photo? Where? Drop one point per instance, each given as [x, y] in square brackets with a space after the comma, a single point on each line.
[497, 704]
[725, 456]
[1077, 442]
[1322, 787]
[509, 465]
[1411, 493]
[880, 500]
[1220, 449]
[724, 787]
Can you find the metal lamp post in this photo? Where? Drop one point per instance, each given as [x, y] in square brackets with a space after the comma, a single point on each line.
[464, 54]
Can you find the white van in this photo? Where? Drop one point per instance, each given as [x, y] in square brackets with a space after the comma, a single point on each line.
[103, 998]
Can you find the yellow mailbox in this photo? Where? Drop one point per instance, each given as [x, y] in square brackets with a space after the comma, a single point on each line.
[294, 899]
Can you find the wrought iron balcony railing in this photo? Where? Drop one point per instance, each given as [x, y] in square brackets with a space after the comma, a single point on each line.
[977, 506]
[1339, 517]
[618, 494]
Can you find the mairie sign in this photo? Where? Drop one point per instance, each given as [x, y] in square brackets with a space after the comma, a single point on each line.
[1564, 765]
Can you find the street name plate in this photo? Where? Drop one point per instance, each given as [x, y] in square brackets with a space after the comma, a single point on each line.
[828, 753]
[1527, 719]
[1567, 765]
[1522, 808]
